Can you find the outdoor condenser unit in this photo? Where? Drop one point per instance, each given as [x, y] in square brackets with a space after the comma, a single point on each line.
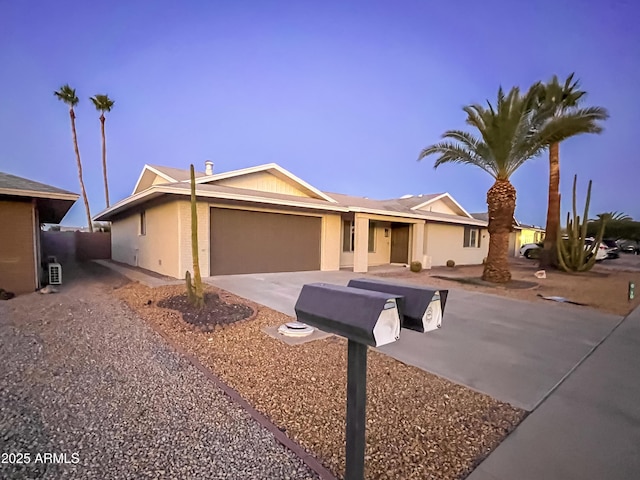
[55, 274]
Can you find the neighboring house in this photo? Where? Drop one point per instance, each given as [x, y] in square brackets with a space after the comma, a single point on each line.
[265, 219]
[24, 205]
[521, 234]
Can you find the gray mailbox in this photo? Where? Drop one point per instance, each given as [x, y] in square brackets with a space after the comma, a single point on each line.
[370, 314]
[367, 317]
[422, 308]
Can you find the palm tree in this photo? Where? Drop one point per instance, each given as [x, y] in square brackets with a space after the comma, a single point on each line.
[612, 216]
[68, 96]
[563, 100]
[508, 138]
[103, 104]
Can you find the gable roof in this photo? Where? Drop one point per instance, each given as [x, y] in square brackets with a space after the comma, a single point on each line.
[272, 168]
[208, 186]
[170, 174]
[176, 174]
[442, 196]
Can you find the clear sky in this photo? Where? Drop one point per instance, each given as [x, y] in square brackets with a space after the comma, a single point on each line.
[344, 94]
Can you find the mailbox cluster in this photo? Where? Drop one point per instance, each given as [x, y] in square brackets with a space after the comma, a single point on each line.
[370, 311]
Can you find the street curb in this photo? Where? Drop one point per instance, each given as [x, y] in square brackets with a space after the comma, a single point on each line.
[311, 462]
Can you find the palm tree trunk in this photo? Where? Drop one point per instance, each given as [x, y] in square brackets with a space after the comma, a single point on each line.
[104, 160]
[549, 254]
[82, 189]
[501, 200]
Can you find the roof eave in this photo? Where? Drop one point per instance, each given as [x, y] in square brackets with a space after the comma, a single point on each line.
[16, 192]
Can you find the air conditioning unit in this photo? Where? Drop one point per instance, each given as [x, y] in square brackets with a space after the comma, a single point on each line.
[55, 274]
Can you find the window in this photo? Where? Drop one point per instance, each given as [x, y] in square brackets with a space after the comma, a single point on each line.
[143, 223]
[348, 236]
[372, 237]
[471, 237]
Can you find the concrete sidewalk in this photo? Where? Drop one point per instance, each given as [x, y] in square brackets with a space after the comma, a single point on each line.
[512, 350]
[589, 428]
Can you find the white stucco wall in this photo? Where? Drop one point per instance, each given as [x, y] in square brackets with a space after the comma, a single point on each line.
[184, 237]
[158, 249]
[331, 242]
[445, 242]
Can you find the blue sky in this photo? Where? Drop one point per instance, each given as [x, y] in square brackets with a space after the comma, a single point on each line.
[343, 94]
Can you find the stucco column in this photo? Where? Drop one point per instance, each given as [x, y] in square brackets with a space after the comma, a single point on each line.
[361, 244]
[417, 242]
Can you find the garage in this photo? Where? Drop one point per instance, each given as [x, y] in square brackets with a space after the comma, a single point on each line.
[260, 242]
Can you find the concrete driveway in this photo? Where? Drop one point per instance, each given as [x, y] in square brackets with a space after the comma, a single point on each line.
[512, 350]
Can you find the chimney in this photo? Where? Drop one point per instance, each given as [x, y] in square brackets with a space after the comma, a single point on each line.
[208, 167]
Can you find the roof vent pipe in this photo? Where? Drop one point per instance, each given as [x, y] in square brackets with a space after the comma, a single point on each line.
[208, 167]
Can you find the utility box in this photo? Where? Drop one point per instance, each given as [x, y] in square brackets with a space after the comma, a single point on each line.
[422, 308]
[367, 317]
[55, 274]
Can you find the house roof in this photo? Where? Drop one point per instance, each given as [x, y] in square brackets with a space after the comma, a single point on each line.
[405, 207]
[481, 216]
[519, 226]
[273, 168]
[53, 203]
[177, 174]
[20, 184]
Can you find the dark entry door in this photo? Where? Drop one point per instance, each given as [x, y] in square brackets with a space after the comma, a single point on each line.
[259, 242]
[400, 243]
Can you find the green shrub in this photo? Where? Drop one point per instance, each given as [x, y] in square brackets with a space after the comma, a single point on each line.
[451, 263]
[415, 266]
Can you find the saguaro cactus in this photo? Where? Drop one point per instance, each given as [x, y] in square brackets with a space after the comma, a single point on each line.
[573, 253]
[195, 291]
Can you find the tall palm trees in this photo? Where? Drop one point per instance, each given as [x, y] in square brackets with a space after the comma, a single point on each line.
[103, 104]
[563, 100]
[513, 131]
[508, 138]
[68, 95]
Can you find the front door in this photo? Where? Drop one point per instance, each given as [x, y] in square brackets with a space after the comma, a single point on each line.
[400, 243]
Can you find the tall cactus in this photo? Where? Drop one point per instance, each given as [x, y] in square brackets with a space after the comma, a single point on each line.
[195, 291]
[573, 254]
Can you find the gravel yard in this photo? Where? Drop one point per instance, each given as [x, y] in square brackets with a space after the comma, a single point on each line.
[604, 288]
[82, 375]
[419, 426]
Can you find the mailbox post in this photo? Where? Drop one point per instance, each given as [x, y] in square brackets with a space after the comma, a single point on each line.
[367, 312]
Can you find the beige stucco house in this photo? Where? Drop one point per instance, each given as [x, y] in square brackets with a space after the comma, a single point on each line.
[265, 219]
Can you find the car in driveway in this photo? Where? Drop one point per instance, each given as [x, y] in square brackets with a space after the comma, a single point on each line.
[532, 250]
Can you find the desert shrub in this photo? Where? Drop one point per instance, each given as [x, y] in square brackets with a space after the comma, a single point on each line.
[451, 263]
[415, 266]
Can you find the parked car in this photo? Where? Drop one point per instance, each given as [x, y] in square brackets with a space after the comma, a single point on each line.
[531, 250]
[614, 249]
[630, 248]
[602, 252]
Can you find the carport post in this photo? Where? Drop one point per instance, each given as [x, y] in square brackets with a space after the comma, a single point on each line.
[356, 409]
